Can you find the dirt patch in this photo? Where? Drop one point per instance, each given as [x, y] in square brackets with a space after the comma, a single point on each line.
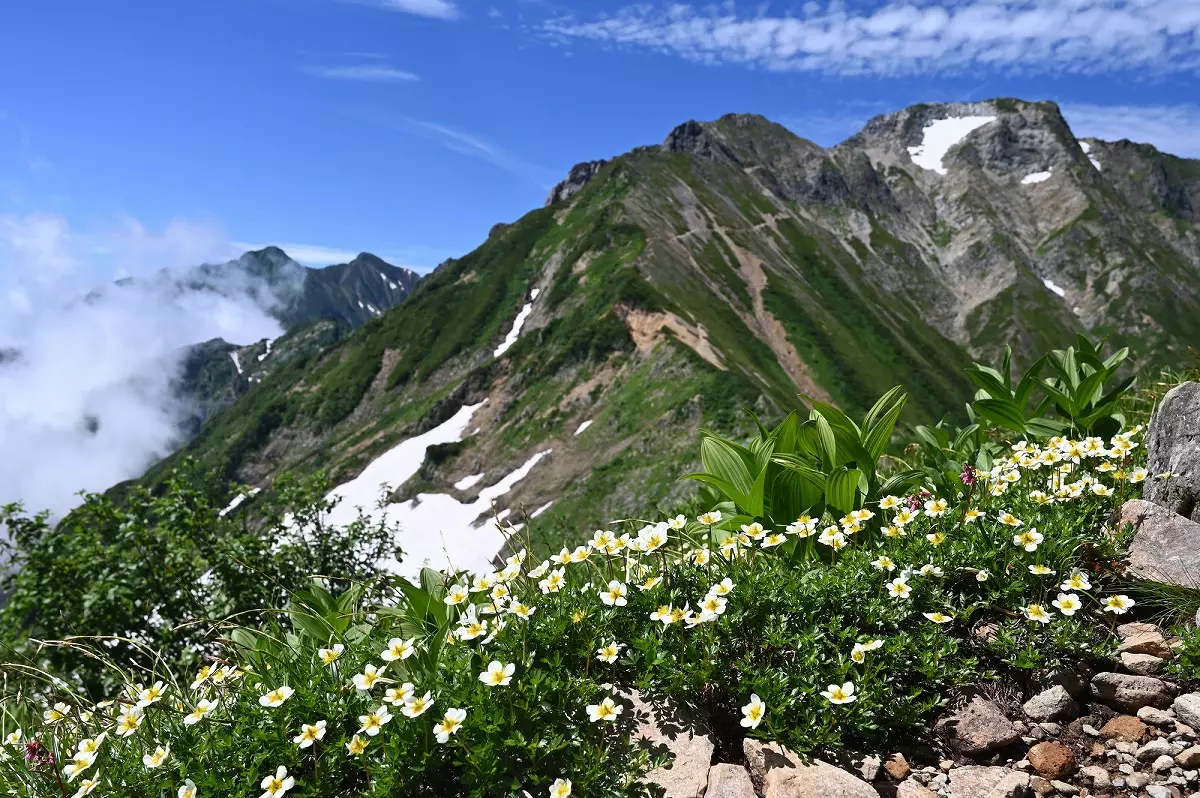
[770, 328]
[646, 330]
[580, 392]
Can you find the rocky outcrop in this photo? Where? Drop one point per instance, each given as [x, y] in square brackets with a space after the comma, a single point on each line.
[818, 780]
[1165, 547]
[987, 782]
[577, 178]
[1173, 447]
[729, 781]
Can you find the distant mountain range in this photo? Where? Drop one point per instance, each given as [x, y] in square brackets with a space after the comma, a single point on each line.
[734, 265]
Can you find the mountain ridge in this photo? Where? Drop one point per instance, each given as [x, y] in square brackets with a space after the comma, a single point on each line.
[737, 265]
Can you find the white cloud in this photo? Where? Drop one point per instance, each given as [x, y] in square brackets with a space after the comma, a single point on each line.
[437, 9]
[89, 400]
[1170, 128]
[365, 72]
[914, 37]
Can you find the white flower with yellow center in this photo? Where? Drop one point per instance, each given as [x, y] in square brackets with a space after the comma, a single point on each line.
[398, 649]
[561, 788]
[1036, 612]
[1008, 519]
[187, 789]
[129, 722]
[498, 674]
[1068, 604]
[1041, 498]
[903, 517]
[580, 554]
[861, 516]
[540, 571]
[510, 572]
[899, 589]
[998, 488]
[310, 733]
[1101, 489]
[373, 722]
[972, 515]
[1137, 475]
[754, 712]
[202, 710]
[398, 695]
[151, 694]
[662, 613]
[677, 523]
[1106, 467]
[609, 652]
[893, 531]
[652, 538]
[202, 675]
[554, 581]
[357, 745]
[982, 576]
[1040, 570]
[484, 583]
[277, 785]
[14, 737]
[888, 502]
[722, 588]
[450, 723]
[1028, 540]
[929, 569]
[87, 786]
[91, 745]
[936, 507]
[563, 557]
[754, 530]
[155, 758]
[773, 539]
[713, 605]
[1118, 605]
[936, 538]
[839, 694]
[521, 610]
[602, 539]
[607, 710]
[802, 527]
[701, 556]
[330, 655]
[938, 617]
[500, 593]
[711, 518]
[277, 696]
[1076, 581]
[470, 627]
[614, 594]
[78, 764]
[415, 705]
[457, 595]
[884, 563]
[56, 713]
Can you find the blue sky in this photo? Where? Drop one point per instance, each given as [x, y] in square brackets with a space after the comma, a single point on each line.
[141, 133]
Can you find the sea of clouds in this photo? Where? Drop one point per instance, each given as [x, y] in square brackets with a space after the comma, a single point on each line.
[87, 367]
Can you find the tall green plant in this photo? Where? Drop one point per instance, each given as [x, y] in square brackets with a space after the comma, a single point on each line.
[1078, 391]
[998, 403]
[827, 461]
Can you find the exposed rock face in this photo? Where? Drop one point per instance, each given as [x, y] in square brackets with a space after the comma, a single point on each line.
[1053, 704]
[685, 735]
[987, 782]
[978, 728]
[577, 178]
[818, 780]
[729, 781]
[1173, 446]
[1166, 546]
[763, 757]
[1130, 692]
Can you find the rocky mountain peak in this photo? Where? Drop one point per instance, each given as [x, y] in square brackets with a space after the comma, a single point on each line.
[577, 178]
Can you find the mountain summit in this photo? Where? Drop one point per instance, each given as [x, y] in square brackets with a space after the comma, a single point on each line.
[564, 365]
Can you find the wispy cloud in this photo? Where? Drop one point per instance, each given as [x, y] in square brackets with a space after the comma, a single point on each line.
[435, 9]
[898, 38]
[366, 72]
[475, 146]
[1170, 128]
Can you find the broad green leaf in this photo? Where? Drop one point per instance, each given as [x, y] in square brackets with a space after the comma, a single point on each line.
[841, 488]
[723, 460]
[1002, 412]
[879, 432]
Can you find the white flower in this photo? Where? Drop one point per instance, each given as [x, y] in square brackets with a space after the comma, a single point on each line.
[1036, 612]
[898, 588]
[130, 720]
[933, 508]
[1068, 603]
[56, 713]
[398, 649]
[1076, 581]
[711, 518]
[398, 695]
[605, 710]
[14, 737]
[982, 576]
[840, 695]
[450, 723]
[610, 652]
[156, 758]
[187, 789]
[203, 709]
[1028, 540]
[931, 570]
[415, 705]
[498, 674]
[310, 733]
[1118, 605]
[722, 588]
[87, 785]
[615, 594]
[374, 720]
[280, 694]
[938, 617]
[1038, 569]
[677, 523]
[554, 582]
[561, 788]
[276, 785]
[884, 563]
[151, 694]
[327, 656]
[753, 712]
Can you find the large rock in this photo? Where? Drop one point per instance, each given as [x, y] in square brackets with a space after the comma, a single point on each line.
[1173, 444]
[729, 781]
[1165, 547]
[1129, 693]
[911, 788]
[818, 780]
[1143, 638]
[1053, 704]
[684, 734]
[1124, 727]
[1187, 709]
[1141, 664]
[987, 782]
[978, 728]
[1052, 759]
[761, 758]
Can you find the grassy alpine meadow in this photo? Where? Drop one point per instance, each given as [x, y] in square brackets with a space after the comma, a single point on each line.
[824, 595]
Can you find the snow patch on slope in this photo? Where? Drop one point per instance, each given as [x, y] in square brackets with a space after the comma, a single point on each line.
[468, 482]
[1036, 177]
[236, 363]
[1087, 150]
[518, 323]
[583, 426]
[541, 509]
[266, 354]
[237, 500]
[939, 136]
[1055, 288]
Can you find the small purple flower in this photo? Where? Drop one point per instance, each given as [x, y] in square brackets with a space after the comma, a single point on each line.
[914, 502]
[38, 756]
[968, 475]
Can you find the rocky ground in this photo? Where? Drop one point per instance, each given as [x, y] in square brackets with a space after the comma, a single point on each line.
[1120, 732]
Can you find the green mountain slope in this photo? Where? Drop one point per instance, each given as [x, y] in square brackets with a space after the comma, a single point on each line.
[736, 265]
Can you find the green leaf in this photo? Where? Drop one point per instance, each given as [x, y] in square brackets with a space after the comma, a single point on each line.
[722, 460]
[988, 381]
[1002, 412]
[841, 488]
[879, 431]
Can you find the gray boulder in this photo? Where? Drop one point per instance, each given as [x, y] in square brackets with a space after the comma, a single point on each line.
[1053, 704]
[1173, 444]
[818, 780]
[987, 782]
[729, 781]
[682, 733]
[1166, 546]
[978, 728]
[1129, 692]
[1187, 709]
